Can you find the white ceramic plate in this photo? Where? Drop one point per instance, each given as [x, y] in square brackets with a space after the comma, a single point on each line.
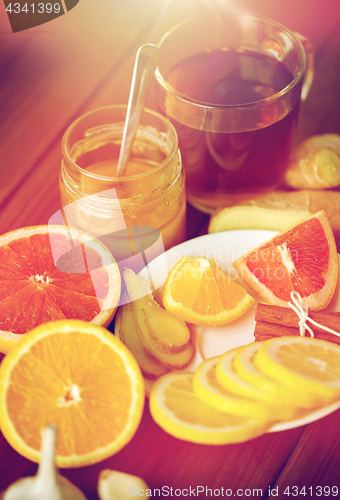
[225, 248]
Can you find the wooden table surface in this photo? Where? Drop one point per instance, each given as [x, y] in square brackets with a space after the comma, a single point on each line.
[50, 75]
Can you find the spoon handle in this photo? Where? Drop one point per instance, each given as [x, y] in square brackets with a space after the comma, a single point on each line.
[145, 65]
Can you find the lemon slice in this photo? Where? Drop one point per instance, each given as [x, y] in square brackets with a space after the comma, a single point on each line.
[310, 364]
[278, 392]
[175, 408]
[225, 377]
[207, 387]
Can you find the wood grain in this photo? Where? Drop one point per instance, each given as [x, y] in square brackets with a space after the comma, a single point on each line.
[49, 81]
[315, 460]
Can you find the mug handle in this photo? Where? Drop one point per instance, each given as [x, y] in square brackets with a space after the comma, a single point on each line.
[309, 71]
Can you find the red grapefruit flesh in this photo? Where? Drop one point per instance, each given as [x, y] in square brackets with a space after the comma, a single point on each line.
[302, 259]
[33, 290]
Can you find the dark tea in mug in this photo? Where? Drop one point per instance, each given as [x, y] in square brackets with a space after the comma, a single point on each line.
[234, 106]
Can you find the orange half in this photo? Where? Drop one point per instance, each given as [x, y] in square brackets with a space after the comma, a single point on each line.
[78, 377]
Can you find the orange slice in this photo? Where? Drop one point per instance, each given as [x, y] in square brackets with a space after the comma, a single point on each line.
[33, 290]
[198, 291]
[302, 258]
[79, 377]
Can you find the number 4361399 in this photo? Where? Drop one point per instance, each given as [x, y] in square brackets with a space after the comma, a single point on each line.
[40, 8]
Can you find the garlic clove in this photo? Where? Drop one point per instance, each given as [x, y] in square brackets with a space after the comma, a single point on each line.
[115, 485]
[47, 484]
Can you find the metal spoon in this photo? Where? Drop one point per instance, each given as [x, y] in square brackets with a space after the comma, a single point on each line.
[145, 65]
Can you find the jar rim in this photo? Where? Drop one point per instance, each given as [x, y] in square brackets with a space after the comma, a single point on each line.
[65, 147]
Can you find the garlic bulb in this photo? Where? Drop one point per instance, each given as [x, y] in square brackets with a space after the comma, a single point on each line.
[115, 485]
[47, 484]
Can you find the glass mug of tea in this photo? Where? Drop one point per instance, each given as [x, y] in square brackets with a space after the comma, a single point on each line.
[231, 84]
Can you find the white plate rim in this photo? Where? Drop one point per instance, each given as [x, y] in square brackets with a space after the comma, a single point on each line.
[248, 239]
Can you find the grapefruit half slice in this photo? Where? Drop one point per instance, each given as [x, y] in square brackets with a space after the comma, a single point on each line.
[303, 259]
[34, 289]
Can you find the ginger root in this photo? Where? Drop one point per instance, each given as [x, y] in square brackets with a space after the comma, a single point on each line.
[278, 211]
[315, 163]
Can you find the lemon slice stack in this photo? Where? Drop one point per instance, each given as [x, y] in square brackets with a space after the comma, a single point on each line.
[241, 394]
